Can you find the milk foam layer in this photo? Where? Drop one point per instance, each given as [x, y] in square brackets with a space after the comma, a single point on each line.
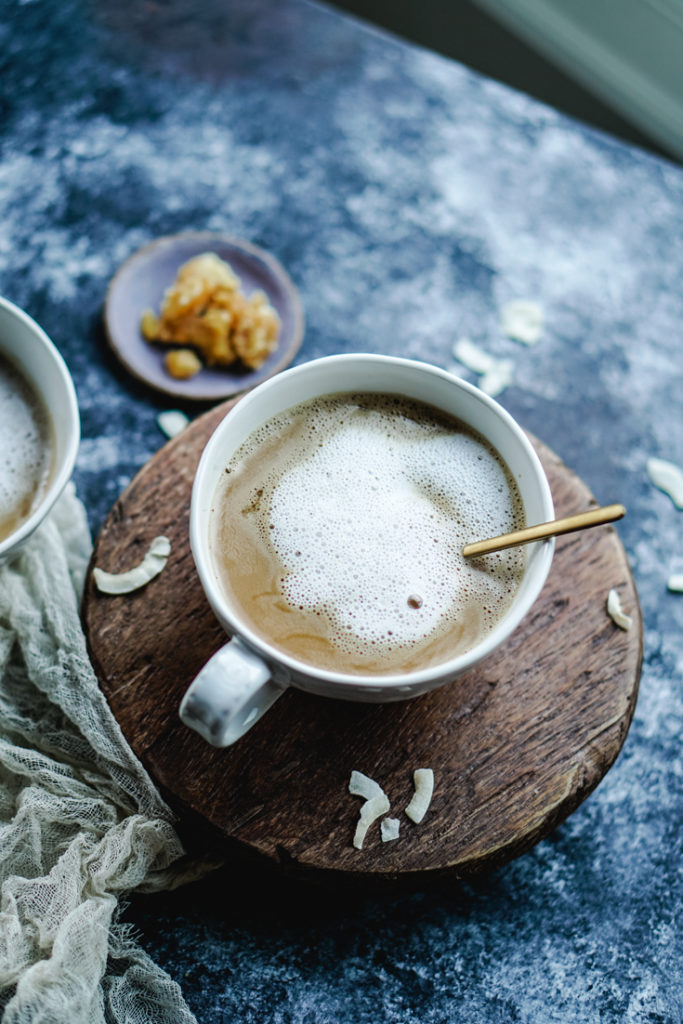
[369, 517]
[24, 451]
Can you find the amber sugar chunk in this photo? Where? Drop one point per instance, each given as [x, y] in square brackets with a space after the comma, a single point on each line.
[205, 311]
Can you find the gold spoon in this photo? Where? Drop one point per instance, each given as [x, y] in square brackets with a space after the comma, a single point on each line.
[581, 521]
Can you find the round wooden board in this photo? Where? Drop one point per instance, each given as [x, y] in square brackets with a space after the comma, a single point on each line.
[515, 745]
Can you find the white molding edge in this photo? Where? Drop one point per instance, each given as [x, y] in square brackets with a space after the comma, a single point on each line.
[641, 100]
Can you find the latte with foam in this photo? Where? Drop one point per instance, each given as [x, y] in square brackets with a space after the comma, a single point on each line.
[338, 527]
[25, 449]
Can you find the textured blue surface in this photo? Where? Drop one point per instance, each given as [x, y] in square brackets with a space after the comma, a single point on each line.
[409, 199]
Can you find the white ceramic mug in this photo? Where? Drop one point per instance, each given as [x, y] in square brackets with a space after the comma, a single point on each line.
[245, 677]
[28, 348]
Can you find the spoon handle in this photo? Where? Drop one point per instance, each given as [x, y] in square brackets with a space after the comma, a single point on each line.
[581, 521]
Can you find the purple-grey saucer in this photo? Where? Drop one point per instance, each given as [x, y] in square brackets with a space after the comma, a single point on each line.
[140, 284]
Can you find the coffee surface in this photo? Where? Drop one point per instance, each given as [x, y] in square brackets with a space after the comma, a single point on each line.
[338, 528]
[25, 449]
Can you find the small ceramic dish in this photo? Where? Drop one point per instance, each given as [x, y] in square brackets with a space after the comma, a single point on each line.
[140, 284]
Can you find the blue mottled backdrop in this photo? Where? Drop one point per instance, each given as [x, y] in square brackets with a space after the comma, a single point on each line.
[409, 199]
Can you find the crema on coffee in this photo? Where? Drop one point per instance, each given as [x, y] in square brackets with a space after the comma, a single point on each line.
[338, 527]
[25, 449]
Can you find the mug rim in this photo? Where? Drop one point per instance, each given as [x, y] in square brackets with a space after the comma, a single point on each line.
[63, 471]
[413, 681]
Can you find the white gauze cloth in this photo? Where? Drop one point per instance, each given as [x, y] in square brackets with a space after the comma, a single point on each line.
[81, 823]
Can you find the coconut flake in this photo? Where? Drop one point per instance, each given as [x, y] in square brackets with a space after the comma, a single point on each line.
[472, 356]
[498, 377]
[389, 829]
[376, 804]
[370, 811]
[172, 422]
[668, 477]
[616, 612]
[675, 583]
[522, 320]
[140, 575]
[497, 374]
[423, 780]
[362, 785]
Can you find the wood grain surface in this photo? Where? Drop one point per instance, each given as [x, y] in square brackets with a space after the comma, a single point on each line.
[515, 745]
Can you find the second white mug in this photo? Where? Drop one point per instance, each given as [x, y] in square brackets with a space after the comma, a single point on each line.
[27, 350]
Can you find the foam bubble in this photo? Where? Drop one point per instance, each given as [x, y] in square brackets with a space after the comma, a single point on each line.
[368, 521]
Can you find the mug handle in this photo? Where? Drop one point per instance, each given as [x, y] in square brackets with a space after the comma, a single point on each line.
[229, 695]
